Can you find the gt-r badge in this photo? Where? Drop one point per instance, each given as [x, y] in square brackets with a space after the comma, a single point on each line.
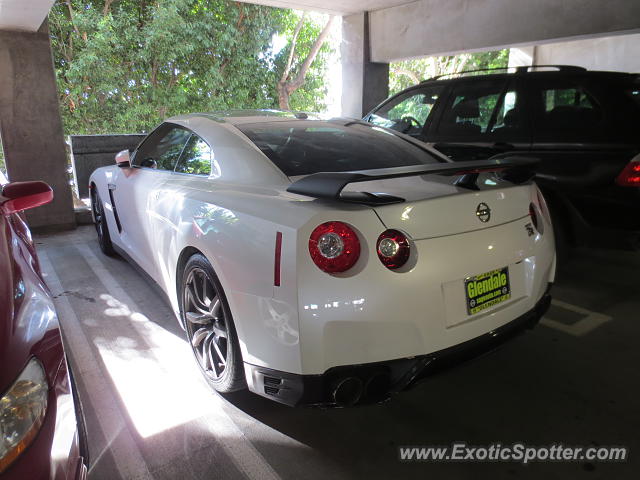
[483, 212]
[530, 230]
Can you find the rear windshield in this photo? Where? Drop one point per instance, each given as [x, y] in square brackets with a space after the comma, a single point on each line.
[303, 147]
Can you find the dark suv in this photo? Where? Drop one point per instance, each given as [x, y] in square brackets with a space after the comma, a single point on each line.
[583, 125]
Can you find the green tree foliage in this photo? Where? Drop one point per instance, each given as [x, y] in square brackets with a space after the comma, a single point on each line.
[409, 72]
[305, 43]
[124, 65]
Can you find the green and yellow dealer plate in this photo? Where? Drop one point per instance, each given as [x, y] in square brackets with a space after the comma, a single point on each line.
[486, 290]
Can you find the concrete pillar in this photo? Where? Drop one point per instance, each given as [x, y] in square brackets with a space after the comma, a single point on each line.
[30, 123]
[522, 56]
[364, 83]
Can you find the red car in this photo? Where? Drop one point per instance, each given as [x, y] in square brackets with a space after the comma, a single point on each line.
[39, 419]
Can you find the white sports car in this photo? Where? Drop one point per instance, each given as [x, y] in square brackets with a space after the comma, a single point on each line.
[326, 262]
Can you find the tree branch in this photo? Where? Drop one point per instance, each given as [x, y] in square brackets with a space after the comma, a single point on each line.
[107, 6]
[402, 71]
[68, 3]
[315, 48]
[240, 17]
[294, 39]
[286, 87]
[154, 73]
[464, 59]
[240, 26]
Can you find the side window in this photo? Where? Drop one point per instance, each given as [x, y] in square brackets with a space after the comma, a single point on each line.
[408, 113]
[508, 114]
[196, 157]
[162, 148]
[477, 110]
[570, 108]
[566, 112]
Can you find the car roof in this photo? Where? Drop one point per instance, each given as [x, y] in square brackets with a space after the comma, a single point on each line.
[241, 117]
[566, 71]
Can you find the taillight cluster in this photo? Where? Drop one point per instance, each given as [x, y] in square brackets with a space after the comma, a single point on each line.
[539, 210]
[334, 247]
[630, 176]
[534, 216]
[393, 249]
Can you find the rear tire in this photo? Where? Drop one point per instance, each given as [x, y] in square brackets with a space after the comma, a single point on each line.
[100, 222]
[209, 326]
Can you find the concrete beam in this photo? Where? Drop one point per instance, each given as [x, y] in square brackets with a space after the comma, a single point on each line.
[364, 83]
[437, 27]
[334, 7]
[620, 53]
[23, 15]
[30, 124]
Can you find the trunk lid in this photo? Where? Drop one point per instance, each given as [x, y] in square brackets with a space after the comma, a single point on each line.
[434, 207]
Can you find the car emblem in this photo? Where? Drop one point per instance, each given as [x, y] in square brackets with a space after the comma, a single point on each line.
[483, 212]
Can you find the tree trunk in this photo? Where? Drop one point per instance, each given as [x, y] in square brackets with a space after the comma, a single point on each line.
[107, 6]
[283, 97]
[287, 85]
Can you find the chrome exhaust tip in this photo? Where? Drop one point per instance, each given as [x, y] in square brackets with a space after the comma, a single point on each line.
[347, 391]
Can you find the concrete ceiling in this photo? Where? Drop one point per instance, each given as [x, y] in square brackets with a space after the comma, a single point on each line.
[24, 15]
[336, 7]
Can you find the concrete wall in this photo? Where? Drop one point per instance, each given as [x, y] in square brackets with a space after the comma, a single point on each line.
[30, 123]
[437, 27]
[364, 83]
[620, 53]
[89, 152]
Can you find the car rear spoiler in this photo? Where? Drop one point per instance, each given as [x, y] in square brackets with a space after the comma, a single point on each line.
[329, 185]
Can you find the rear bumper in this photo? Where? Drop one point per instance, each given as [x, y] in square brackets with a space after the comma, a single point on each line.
[378, 380]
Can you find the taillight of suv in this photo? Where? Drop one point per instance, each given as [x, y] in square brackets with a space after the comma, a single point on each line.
[630, 176]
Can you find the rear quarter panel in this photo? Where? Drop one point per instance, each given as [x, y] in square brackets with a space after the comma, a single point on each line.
[235, 227]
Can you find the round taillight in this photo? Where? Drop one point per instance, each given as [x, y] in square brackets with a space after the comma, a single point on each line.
[393, 249]
[334, 247]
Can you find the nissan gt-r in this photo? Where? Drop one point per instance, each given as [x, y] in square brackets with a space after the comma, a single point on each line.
[326, 261]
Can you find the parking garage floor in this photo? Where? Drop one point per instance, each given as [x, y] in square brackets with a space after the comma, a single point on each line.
[573, 380]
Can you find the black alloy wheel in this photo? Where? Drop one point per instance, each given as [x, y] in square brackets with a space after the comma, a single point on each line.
[209, 326]
[100, 222]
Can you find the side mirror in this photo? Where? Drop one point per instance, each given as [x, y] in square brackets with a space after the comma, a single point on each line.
[123, 159]
[18, 196]
[149, 163]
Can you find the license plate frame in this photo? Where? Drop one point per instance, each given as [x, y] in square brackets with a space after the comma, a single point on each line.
[487, 290]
